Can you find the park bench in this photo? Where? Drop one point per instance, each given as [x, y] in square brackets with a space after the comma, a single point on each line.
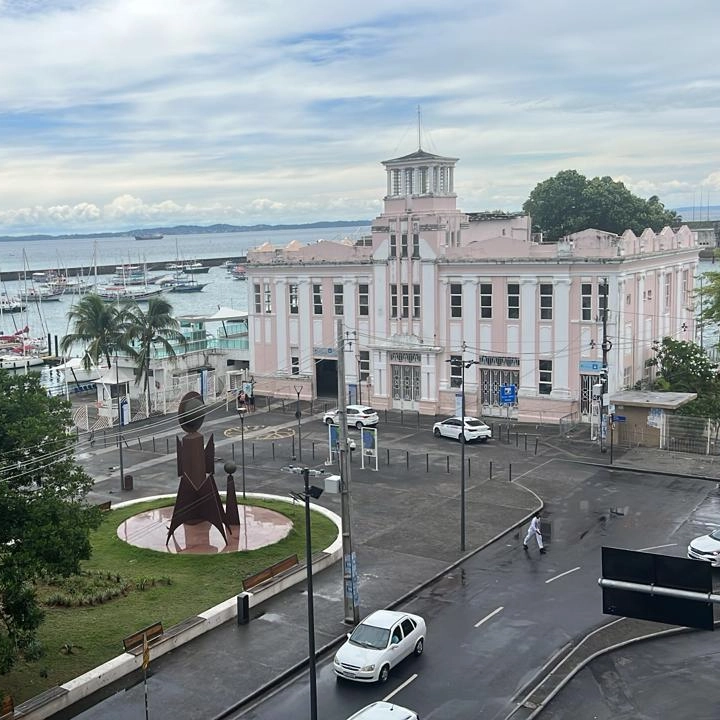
[134, 641]
[270, 573]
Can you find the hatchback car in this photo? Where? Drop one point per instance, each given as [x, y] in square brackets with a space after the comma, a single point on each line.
[357, 416]
[453, 428]
[384, 711]
[706, 547]
[377, 644]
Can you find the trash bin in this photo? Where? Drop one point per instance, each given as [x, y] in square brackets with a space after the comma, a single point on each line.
[243, 608]
[127, 482]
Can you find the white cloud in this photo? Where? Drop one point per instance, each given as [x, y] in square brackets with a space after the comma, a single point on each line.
[217, 110]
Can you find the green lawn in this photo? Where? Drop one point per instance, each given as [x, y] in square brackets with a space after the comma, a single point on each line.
[198, 582]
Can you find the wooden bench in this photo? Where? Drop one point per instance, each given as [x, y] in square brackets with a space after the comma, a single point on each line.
[289, 563]
[134, 641]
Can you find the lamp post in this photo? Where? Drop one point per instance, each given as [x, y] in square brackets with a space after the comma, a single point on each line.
[314, 492]
[242, 409]
[455, 362]
[117, 393]
[298, 415]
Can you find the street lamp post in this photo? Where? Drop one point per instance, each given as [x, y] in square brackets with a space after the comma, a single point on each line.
[298, 415]
[314, 492]
[463, 365]
[241, 409]
[117, 393]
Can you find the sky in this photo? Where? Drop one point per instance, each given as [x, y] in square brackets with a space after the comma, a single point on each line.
[120, 114]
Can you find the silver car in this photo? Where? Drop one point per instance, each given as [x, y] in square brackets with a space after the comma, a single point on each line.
[706, 547]
[357, 416]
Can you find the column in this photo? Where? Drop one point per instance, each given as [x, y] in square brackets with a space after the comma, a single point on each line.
[528, 337]
[305, 346]
[281, 326]
[561, 341]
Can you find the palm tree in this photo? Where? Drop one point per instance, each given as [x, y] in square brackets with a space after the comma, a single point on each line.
[143, 330]
[99, 326]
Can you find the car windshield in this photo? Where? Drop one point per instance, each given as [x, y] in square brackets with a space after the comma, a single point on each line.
[370, 636]
[715, 534]
[473, 423]
[367, 411]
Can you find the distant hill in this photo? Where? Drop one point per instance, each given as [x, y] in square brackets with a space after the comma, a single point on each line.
[194, 230]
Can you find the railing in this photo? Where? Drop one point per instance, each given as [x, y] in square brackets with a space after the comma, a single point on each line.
[237, 343]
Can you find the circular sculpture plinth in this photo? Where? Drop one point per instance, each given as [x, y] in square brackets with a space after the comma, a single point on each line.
[258, 527]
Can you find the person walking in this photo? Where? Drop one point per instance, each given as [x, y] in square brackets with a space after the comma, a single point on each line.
[534, 529]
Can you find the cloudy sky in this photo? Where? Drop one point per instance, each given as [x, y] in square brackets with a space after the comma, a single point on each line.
[116, 114]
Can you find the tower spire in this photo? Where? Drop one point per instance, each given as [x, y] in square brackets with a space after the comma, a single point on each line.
[419, 127]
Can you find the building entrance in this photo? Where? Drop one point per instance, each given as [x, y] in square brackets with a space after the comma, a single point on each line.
[405, 386]
[326, 378]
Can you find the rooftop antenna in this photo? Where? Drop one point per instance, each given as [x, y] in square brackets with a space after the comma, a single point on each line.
[419, 127]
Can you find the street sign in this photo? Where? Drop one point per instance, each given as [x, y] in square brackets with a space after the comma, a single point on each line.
[590, 366]
[619, 418]
[508, 394]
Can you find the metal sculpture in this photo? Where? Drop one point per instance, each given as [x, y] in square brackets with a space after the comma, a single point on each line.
[198, 499]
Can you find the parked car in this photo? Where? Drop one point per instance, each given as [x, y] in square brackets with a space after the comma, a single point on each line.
[706, 547]
[453, 428]
[384, 711]
[377, 644]
[357, 416]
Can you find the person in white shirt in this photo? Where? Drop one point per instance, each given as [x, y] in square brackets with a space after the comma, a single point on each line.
[534, 529]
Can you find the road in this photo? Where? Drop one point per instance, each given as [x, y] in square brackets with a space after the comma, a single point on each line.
[495, 622]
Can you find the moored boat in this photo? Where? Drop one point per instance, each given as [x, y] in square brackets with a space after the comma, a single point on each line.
[128, 293]
[149, 236]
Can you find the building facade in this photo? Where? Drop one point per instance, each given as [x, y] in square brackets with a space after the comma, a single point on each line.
[432, 285]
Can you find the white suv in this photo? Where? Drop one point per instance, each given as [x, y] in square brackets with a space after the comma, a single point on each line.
[357, 416]
[474, 429]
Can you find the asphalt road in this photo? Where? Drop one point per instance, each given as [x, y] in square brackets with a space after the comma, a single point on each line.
[494, 623]
[405, 525]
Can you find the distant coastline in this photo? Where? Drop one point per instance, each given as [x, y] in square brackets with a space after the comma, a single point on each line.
[191, 230]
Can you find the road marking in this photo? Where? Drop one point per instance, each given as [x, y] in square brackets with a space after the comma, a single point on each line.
[567, 572]
[487, 617]
[527, 472]
[400, 687]
[657, 547]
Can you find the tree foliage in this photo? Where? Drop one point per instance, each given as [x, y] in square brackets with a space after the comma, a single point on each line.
[569, 202]
[97, 325]
[44, 519]
[685, 367]
[145, 329]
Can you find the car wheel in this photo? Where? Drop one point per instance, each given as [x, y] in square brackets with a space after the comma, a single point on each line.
[358, 425]
[483, 439]
[329, 421]
[384, 674]
[436, 432]
[419, 647]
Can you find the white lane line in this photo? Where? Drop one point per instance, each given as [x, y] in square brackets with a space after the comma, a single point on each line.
[487, 617]
[400, 687]
[657, 547]
[567, 572]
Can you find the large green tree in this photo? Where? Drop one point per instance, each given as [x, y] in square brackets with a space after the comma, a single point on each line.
[569, 202]
[44, 518]
[144, 330]
[98, 327]
[685, 367]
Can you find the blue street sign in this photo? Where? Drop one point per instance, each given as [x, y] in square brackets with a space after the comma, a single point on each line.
[619, 418]
[508, 394]
[590, 366]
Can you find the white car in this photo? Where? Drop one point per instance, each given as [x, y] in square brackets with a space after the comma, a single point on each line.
[379, 643]
[453, 428]
[384, 711]
[706, 547]
[357, 416]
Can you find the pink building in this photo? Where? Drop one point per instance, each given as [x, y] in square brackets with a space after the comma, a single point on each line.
[432, 284]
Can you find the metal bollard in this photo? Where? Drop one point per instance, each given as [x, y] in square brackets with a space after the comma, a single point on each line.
[253, 452]
[525, 442]
[139, 444]
[536, 445]
[407, 459]
[427, 462]
[153, 443]
[243, 608]
[491, 469]
[388, 455]
[167, 445]
[447, 462]
[510, 472]
[273, 450]
[232, 448]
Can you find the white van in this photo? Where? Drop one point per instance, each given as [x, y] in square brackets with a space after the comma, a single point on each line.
[384, 711]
